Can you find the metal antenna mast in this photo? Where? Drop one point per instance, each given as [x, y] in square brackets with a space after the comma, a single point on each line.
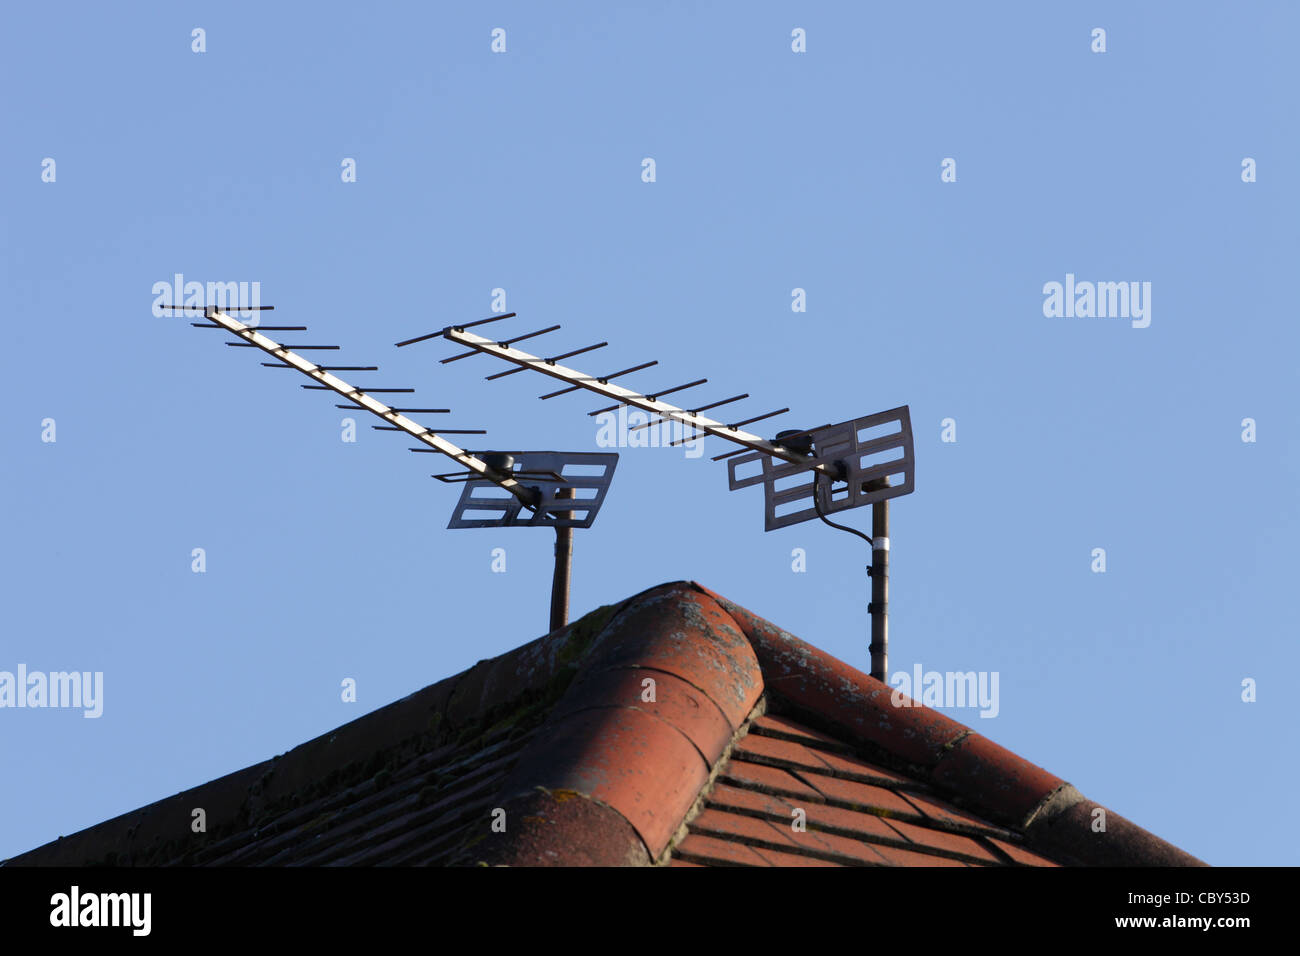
[843, 466]
[537, 492]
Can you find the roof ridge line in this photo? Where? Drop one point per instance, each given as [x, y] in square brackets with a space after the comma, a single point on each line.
[702, 799]
[639, 764]
[962, 764]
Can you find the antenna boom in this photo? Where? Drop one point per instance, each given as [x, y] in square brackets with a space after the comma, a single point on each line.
[413, 428]
[628, 397]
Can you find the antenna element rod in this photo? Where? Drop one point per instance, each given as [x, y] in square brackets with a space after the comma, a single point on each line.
[624, 396]
[254, 339]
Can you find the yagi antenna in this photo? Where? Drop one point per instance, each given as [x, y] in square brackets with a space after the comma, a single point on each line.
[501, 489]
[805, 474]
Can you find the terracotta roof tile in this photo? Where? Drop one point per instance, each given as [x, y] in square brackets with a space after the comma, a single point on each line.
[742, 829]
[714, 852]
[745, 800]
[769, 780]
[832, 847]
[899, 857]
[1021, 855]
[855, 768]
[774, 725]
[775, 858]
[788, 754]
[684, 707]
[818, 683]
[858, 824]
[937, 812]
[636, 764]
[798, 848]
[774, 752]
[780, 810]
[928, 839]
[859, 796]
[994, 777]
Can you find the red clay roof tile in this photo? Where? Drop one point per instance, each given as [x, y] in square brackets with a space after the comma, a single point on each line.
[767, 779]
[775, 858]
[774, 725]
[680, 631]
[715, 852]
[780, 810]
[1020, 854]
[854, 768]
[936, 812]
[899, 857]
[639, 765]
[839, 849]
[744, 829]
[766, 836]
[995, 778]
[940, 841]
[785, 754]
[814, 681]
[673, 700]
[859, 796]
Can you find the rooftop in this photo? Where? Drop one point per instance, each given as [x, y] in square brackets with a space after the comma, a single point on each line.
[675, 728]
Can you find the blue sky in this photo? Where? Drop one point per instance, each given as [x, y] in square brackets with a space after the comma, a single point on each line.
[775, 170]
